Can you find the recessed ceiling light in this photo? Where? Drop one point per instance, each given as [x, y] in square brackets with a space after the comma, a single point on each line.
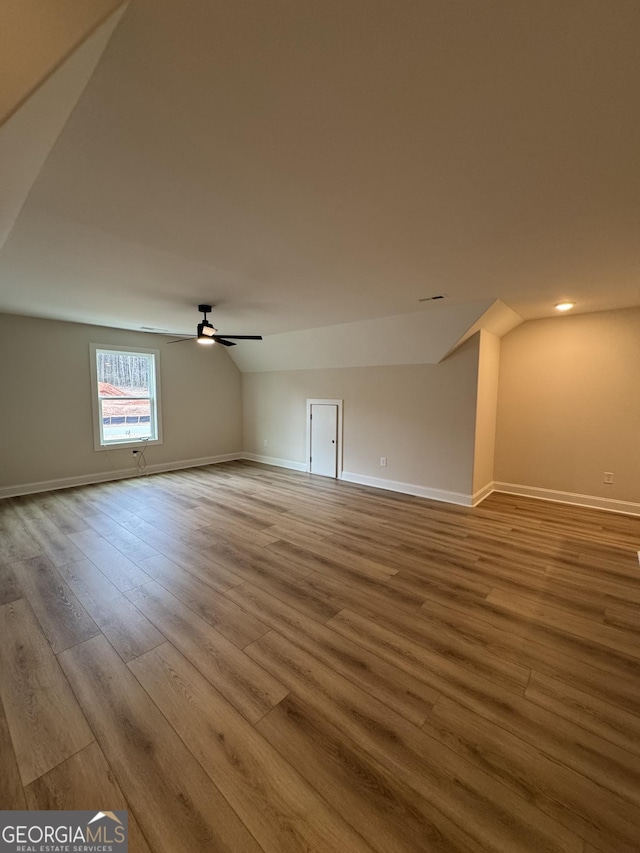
[565, 306]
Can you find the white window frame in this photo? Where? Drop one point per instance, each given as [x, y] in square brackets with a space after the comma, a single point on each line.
[156, 409]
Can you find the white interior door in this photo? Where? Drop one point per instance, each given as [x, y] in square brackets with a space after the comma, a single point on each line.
[324, 440]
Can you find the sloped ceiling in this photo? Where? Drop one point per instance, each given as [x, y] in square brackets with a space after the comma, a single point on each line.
[307, 165]
[417, 338]
[36, 37]
[27, 136]
[498, 319]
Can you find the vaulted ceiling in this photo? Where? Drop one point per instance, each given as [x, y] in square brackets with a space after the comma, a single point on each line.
[303, 164]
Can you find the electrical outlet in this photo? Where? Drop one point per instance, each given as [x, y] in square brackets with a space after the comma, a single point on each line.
[264, 443]
[383, 461]
[608, 478]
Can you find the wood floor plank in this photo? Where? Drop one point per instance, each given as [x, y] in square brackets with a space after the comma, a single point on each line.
[602, 718]
[606, 635]
[44, 719]
[437, 574]
[61, 514]
[63, 619]
[121, 571]
[295, 533]
[230, 513]
[408, 696]
[383, 585]
[575, 599]
[245, 508]
[198, 563]
[280, 809]
[325, 554]
[45, 533]
[177, 805]
[390, 815]
[15, 542]
[398, 555]
[297, 593]
[79, 499]
[126, 542]
[584, 649]
[164, 513]
[489, 812]
[200, 533]
[11, 790]
[622, 615]
[217, 610]
[233, 532]
[624, 589]
[610, 563]
[129, 632]
[400, 674]
[594, 757]
[343, 593]
[446, 651]
[84, 782]
[501, 642]
[580, 804]
[10, 588]
[249, 688]
[265, 571]
[247, 560]
[291, 524]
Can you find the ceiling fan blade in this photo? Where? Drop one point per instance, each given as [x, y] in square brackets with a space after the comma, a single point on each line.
[180, 340]
[223, 342]
[242, 337]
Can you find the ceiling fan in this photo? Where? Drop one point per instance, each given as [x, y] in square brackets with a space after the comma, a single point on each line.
[207, 334]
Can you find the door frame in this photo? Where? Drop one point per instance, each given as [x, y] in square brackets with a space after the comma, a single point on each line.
[317, 402]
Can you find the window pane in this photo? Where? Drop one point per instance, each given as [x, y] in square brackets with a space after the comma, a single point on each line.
[126, 420]
[123, 375]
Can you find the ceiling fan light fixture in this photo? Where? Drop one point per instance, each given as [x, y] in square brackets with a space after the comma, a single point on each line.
[208, 334]
[205, 329]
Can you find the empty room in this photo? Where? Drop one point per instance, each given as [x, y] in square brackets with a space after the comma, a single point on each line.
[319, 426]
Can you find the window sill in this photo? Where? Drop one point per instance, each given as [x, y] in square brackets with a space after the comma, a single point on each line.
[134, 444]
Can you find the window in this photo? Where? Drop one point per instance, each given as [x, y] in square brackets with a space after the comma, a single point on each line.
[126, 396]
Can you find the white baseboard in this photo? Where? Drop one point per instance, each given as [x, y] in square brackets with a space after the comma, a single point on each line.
[482, 493]
[590, 501]
[273, 460]
[105, 476]
[409, 489]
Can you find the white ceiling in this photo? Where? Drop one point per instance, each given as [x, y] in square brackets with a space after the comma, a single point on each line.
[305, 164]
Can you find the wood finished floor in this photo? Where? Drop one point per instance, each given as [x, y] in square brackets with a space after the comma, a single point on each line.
[251, 659]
